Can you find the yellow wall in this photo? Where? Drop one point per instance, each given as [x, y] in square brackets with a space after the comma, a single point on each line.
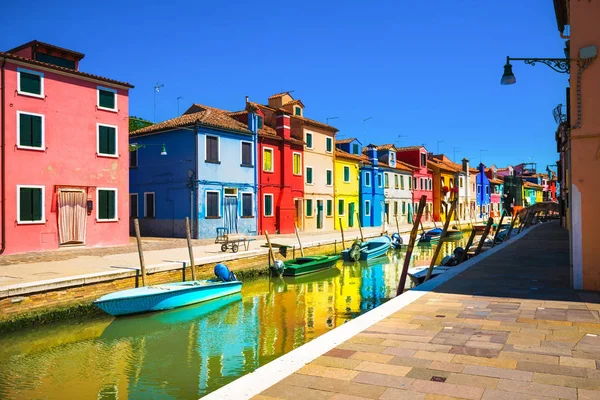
[447, 177]
[348, 192]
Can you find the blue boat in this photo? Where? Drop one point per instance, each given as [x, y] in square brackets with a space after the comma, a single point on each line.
[169, 295]
[431, 236]
[368, 249]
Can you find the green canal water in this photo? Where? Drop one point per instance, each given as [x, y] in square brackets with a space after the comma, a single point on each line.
[189, 352]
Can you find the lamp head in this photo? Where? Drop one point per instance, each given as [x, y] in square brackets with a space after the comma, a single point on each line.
[508, 78]
[163, 151]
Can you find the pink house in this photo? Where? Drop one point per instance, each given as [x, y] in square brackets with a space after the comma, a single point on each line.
[64, 171]
[416, 156]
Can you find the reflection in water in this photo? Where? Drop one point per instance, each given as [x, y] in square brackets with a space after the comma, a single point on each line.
[188, 352]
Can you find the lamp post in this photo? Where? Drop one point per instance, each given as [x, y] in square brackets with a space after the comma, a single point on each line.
[558, 64]
[136, 146]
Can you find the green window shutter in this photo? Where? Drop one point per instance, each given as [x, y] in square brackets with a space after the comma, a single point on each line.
[102, 201]
[107, 140]
[36, 131]
[340, 207]
[107, 98]
[297, 111]
[25, 204]
[31, 83]
[346, 174]
[309, 143]
[309, 210]
[329, 207]
[36, 202]
[25, 136]
[111, 204]
[355, 148]
[112, 141]
[309, 175]
[260, 122]
[268, 205]
[329, 177]
[329, 144]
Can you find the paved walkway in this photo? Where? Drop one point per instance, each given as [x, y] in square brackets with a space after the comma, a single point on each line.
[508, 328]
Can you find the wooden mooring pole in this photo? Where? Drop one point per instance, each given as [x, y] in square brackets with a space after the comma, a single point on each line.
[438, 248]
[397, 224]
[362, 239]
[139, 246]
[299, 242]
[512, 225]
[271, 254]
[469, 244]
[486, 232]
[342, 230]
[190, 250]
[498, 228]
[411, 245]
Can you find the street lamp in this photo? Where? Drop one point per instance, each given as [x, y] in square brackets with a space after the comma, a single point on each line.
[558, 64]
[136, 146]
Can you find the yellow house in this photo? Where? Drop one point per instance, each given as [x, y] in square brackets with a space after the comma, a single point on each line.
[346, 189]
[443, 183]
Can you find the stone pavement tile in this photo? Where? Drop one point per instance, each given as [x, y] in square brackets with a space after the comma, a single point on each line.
[451, 339]
[551, 369]
[471, 316]
[337, 362]
[537, 389]
[339, 396]
[568, 381]
[530, 339]
[536, 331]
[426, 374]
[386, 369]
[432, 355]
[371, 378]
[261, 397]
[411, 362]
[339, 353]
[491, 394]
[446, 366]
[440, 397]
[327, 372]
[375, 357]
[417, 346]
[553, 314]
[549, 351]
[577, 362]
[564, 336]
[368, 348]
[447, 389]
[557, 345]
[397, 394]
[395, 351]
[486, 362]
[299, 380]
[481, 338]
[473, 380]
[287, 392]
[505, 306]
[513, 355]
[593, 325]
[501, 373]
[585, 354]
[484, 345]
[349, 388]
[585, 394]
[393, 336]
[581, 316]
[363, 339]
[472, 351]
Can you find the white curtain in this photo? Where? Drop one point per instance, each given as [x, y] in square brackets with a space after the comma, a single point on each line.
[72, 216]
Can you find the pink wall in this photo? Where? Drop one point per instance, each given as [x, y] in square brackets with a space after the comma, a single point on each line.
[413, 157]
[70, 113]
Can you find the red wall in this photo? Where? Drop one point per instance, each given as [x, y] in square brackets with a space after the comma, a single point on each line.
[70, 159]
[413, 157]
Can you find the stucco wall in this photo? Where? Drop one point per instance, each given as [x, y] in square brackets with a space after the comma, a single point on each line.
[320, 161]
[346, 191]
[399, 195]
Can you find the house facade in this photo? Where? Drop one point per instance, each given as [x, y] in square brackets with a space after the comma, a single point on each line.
[347, 194]
[444, 189]
[416, 158]
[208, 174]
[482, 193]
[64, 152]
[372, 200]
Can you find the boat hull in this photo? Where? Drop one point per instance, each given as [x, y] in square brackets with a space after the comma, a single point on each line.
[297, 268]
[418, 274]
[371, 249]
[165, 297]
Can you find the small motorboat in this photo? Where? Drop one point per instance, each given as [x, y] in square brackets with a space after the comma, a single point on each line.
[170, 295]
[368, 249]
[396, 241]
[418, 274]
[303, 265]
[431, 236]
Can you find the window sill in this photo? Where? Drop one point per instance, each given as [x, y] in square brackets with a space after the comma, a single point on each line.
[212, 217]
[247, 165]
[107, 220]
[212, 162]
[247, 217]
[297, 174]
[39, 96]
[113, 110]
[145, 217]
[107, 155]
[268, 172]
[130, 167]
[41, 149]
[42, 222]
[268, 216]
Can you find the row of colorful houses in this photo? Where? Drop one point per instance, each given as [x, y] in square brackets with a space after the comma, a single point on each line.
[73, 175]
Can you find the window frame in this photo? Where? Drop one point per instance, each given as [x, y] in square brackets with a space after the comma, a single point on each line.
[367, 208]
[272, 151]
[219, 195]
[116, 218]
[19, 145]
[146, 205]
[264, 205]
[242, 194]
[386, 180]
[308, 211]
[312, 177]
[28, 71]
[41, 221]
[251, 165]
[206, 160]
[105, 89]
[367, 178]
[131, 153]
[423, 159]
[329, 208]
[312, 143]
[341, 202]
[379, 180]
[293, 155]
[396, 182]
[137, 205]
[328, 142]
[346, 168]
[116, 155]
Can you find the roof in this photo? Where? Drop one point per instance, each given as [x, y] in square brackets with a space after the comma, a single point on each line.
[290, 103]
[343, 154]
[209, 116]
[496, 181]
[387, 146]
[278, 95]
[407, 165]
[62, 69]
[346, 141]
[409, 148]
[444, 162]
[398, 167]
[266, 131]
[307, 120]
[561, 10]
[532, 185]
[78, 55]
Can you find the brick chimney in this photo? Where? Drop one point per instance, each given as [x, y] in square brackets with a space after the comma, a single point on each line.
[283, 126]
[465, 165]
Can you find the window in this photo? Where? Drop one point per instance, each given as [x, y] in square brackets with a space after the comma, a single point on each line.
[422, 186]
[212, 204]
[268, 205]
[367, 178]
[30, 83]
[395, 208]
[367, 208]
[297, 111]
[487, 190]
[133, 158]
[329, 174]
[30, 203]
[355, 148]
[50, 59]
[379, 180]
[328, 144]
[460, 182]
[478, 189]
[423, 159]
[267, 159]
[401, 182]
[392, 158]
[107, 140]
[260, 122]
[231, 192]
[106, 204]
[346, 173]
[386, 180]
[341, 207]
[409, 179]
[133, 205]
[212, 149]
[396, 184]
[443, 181]
[415, 183]
[430, 184]
[329, 208]
[309, 175]
[30, 131]
[451, 182]
[247, 205]
[309, 140]
[309, 208]
[107, 99]
[297, 164]
[473, 187]
[403, 208]
[149, 204]
[247, 154]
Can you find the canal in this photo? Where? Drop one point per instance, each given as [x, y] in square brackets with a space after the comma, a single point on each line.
[189, 352]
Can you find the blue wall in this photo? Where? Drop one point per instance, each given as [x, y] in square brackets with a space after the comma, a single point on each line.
[371, 191]
[484, 190]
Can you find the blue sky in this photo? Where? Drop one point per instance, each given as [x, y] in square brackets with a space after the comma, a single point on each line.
[428, 71]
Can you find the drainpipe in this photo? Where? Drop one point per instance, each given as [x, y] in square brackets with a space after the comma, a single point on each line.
[194, 185]
[255, 131]
[3, 166]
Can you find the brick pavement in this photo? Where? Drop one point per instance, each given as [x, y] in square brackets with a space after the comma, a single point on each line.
[509, 328]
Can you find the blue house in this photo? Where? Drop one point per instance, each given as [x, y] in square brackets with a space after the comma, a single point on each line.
[372, 198]
[482, 196]
[205, 171]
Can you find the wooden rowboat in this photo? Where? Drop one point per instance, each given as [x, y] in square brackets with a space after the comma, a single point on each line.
[303, 265]
[367, 250]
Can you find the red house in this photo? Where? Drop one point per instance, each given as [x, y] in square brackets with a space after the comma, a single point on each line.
[65, 152]
[416, 156]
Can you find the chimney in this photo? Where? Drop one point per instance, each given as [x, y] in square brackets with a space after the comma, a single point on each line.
[372, 154]
[247, 98]
[465, 165]
[283, 126]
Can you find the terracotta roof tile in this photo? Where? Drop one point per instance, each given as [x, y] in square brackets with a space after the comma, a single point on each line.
[496, 181]
[345, 141]
[291, 103]
[343, 154]
[407, 165]
[308, 120]
[387, 146]
[51, 46]
[278, 95]
[409, 148]
[63, 69]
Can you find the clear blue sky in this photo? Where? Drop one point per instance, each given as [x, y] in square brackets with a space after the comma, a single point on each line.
[427, 70]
